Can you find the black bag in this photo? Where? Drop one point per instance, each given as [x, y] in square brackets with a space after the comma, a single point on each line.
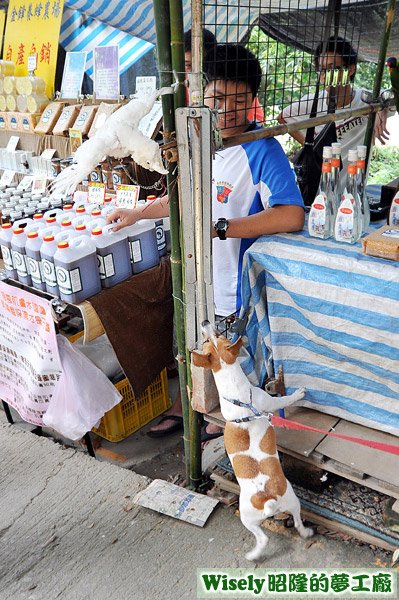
[308, 160]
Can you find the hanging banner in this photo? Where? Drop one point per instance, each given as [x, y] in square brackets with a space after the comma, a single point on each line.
[34, 28]
[2, 25]
[106, 73]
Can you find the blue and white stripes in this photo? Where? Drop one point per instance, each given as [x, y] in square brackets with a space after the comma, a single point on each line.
[81, 33]
[330, 315]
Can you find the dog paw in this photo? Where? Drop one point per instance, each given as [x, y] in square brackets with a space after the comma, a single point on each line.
[254, 555]
[307, 532]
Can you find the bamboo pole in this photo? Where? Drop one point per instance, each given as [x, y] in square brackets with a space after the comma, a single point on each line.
[162, 16]
[192, 435]
[389, 16]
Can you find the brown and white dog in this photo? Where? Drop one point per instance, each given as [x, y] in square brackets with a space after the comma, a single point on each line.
[250, 442]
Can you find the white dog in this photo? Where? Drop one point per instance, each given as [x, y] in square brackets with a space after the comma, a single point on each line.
[250, 439]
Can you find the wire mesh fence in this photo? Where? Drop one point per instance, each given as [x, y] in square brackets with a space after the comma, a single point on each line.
[289, 39]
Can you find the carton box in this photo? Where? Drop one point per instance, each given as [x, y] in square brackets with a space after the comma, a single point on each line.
[27, 121]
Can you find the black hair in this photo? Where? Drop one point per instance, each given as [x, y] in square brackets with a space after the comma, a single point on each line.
[208, 40]
[340, 47]
[234, 62]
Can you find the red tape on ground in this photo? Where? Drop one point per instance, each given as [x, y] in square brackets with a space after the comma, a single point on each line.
[287, 424]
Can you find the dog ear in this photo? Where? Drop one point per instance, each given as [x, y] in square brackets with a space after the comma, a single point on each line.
[201, 360]
[234, 349]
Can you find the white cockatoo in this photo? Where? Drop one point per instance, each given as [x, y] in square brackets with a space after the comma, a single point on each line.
[118, 137]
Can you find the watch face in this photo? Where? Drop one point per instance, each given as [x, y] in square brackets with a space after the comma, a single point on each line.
[221, 225]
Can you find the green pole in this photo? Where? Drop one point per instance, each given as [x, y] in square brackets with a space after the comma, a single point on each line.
[192, 435]
[163, 25]
[390, 14]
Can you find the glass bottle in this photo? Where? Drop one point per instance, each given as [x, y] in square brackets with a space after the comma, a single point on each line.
[335, 174]
[361, 185]
[349, 220]
[321, 215]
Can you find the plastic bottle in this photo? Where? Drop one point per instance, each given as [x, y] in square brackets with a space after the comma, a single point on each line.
[160, 233]
[113, 255]
[143, 245]
[166, 228]
[52, 212]
[393, 217]
[64, 221]
[6, 234]
[349, 220]
[76, 269]
[23, 223]
[69, 208]
[361, 185]
[18, 242]
[47, 251]
[99, 222]
[33, 259]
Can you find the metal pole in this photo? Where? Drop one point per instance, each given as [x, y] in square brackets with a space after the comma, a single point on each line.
[164, 55]
[368, 136]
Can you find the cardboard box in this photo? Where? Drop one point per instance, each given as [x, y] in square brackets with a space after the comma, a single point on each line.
[12, 121]
[104, 111]
[383, 243]
[3, 120]
[27, 121]
[66, 119]
[49, 117]
[85, 118]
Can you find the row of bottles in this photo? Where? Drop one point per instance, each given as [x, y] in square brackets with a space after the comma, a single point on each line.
[342, 214]
[72, 253]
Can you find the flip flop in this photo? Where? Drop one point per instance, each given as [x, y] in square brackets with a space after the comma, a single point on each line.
[177, 426]
[205, 436]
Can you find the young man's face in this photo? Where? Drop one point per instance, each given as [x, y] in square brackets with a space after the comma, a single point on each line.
[233, 100]
[188, 62]
[330, 61]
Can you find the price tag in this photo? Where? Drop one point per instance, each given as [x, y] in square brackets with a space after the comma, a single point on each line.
[7, 177]
[75, 135]
[127, 195]
[32, 63]
[12, 143]
[25, 183]
[96, 192]
[80, 197]
[39, 184]
[145, 85]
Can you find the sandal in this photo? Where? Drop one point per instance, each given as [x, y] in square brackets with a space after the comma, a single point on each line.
[177, 426]
[205, 436]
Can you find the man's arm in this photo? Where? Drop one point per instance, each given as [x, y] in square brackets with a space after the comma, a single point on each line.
[123, 217]
[297, 135]
[283, 218]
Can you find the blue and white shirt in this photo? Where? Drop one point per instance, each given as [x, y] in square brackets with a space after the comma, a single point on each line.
[246, 180]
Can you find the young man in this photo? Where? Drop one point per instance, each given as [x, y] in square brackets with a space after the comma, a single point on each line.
[338, 54]
[254, 191]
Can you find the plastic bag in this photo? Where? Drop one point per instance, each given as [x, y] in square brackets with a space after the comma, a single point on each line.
[82, 396]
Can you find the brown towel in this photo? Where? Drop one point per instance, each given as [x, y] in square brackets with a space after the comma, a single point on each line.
[137, 316]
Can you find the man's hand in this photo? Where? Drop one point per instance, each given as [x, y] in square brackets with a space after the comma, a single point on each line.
[122, 217]
[381, 132]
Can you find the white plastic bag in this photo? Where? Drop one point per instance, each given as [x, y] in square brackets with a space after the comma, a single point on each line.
[82, 396]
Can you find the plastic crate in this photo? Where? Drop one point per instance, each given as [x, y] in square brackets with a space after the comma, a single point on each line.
[133, 413]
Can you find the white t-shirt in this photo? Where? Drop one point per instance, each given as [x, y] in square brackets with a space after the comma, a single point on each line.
[350, 131]
[246, 180]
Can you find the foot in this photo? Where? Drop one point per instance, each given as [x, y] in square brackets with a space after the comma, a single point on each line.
[210, 431]
[168, 424]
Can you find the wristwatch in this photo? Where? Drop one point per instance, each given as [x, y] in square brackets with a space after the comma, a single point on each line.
[221, 226]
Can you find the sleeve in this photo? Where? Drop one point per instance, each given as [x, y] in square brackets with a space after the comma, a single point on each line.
[277, 178]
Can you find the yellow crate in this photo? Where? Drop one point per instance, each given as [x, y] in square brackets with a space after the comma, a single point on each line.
[133, 413]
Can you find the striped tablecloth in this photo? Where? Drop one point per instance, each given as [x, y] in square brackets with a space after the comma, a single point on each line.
[330, 316]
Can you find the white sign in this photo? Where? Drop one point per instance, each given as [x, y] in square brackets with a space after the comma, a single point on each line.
[25, 183]
[29, 361]
[12, 143]
[48, 153]
[96, 192]
[106, 72]
[39, 184]
[32, 63]
[7, 177]
[145, 86]
[80, 197]
[148, 124]
[127, 195]
[72, 76]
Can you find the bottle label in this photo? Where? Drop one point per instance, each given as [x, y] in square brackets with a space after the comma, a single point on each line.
[106, 265]
[136, 254]
[318, 222]
[336, 163]
[161, 240]
[391, 233]
[69, 282]
[352, 169]
[34, 269]
[19, 261]
[345, 222]
[49, 272]
[326, 168]
[361, 164]
[7, 258]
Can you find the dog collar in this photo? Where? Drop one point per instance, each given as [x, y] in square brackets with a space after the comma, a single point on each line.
[256, 413]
